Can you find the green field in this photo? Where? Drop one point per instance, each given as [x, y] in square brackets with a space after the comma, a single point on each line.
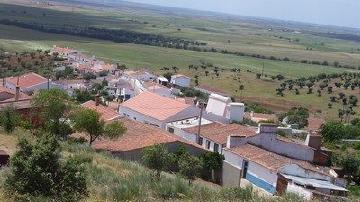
[243, 36]
[247, 37]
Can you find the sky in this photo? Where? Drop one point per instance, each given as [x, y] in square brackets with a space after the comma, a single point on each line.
[325, 12]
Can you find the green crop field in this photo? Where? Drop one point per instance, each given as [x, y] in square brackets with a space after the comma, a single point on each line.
[220, 33]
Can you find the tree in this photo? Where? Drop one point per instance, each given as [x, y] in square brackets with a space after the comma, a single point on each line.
[156, 158]
[196, 80]
[206, 73]
[350, 162]
[82, 95]
[38, 171]
[319, 92]
[332, 131]
[9, 119]
[54, 106]
[121, 67]
[212, 161]
[330, 89]
[175, 68]
[353, 100]
[89, 121]
[189, 166]
[168, 75]
[297, 115]
[88, 76]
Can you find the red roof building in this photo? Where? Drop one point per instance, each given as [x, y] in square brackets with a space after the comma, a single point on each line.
[139, 136]
[156, 110]
[28, 83]
[107, 113]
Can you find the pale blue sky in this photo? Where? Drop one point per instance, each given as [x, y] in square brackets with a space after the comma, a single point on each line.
[327, 12]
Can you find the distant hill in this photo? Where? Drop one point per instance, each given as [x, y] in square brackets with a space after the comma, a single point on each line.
[260, 21]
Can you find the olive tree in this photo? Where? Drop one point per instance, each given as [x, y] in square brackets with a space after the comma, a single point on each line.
[90, 122]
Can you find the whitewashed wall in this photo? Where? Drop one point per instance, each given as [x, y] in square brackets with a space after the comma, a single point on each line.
[301, 191]
[271, 143]
[183, 134]
[181, 81]
[124, 111]
[296, 170]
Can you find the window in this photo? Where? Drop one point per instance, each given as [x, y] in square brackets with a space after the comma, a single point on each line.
[208, 144]
[216, 148]
[200, 141]
[171, 130]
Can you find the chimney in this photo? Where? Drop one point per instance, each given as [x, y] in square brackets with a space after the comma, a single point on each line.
[4, 82]
[17, 93]
[234, 141]
[97, 99]
[313, 140]
[237, 111]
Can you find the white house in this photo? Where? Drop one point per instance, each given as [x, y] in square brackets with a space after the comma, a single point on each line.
[222, 106]
[178, 127]
[71, 85]
[153, 109]
[181, 80]
[279, 165]
[28, 83]
[213, 136]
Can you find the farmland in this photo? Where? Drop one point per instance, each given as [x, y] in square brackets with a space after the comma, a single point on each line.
[236, 35]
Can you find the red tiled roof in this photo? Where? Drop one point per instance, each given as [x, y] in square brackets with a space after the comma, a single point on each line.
[107, 113]
[12, 93]
[27, 80]
[219, 132]
[62, 50]
[137, 136]
[155, 106]
[272, 160]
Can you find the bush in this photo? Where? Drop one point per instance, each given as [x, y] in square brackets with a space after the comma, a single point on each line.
[9, 119]
[173, 188]
[234, 194]
[36, 170]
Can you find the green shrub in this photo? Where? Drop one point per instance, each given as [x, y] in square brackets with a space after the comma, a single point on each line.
[168, 188]
[36, 171]
[236, 194]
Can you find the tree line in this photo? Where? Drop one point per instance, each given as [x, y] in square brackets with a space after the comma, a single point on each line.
[115, 35]
[125, 36]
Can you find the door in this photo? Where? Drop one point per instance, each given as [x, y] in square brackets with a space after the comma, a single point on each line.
[245, 168]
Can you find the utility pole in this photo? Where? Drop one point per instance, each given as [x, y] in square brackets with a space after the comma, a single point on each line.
[201, 105]
[262, 72]
[48, 83]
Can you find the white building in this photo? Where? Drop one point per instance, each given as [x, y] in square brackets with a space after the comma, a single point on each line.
[28, 83]
[279, 165]
[70, 85]
[181, 80]
[221, 106]
[178, 128]
[156, 110]
[213, 136]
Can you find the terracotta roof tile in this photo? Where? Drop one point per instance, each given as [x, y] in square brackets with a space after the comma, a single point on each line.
[27, 80]
[219, 132]
[272, 160]
[12, 93]
[107, 113]
[138, 136]
[155, 106]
